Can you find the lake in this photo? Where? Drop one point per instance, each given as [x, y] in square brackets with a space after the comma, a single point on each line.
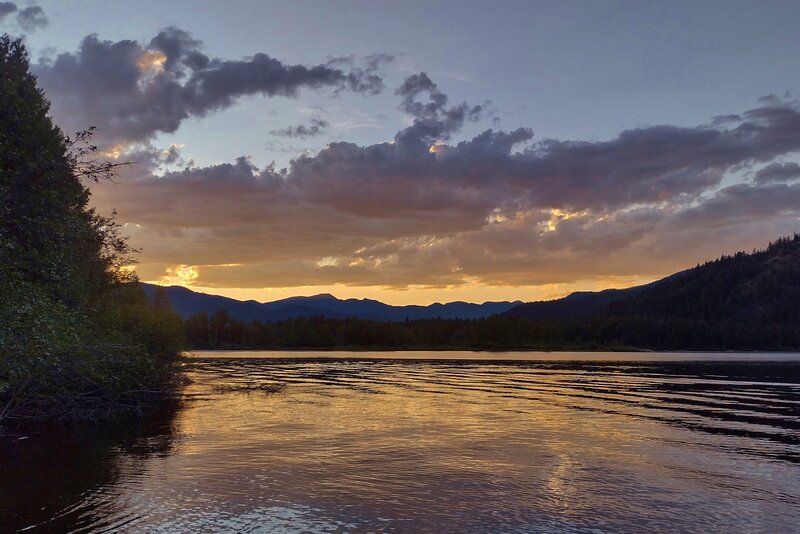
[431, 442]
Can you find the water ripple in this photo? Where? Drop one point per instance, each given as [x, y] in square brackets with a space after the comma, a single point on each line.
[376, 445]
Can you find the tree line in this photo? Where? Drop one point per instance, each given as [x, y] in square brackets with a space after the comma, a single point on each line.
[220, 331]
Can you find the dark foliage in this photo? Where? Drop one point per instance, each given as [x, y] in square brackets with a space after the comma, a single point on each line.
[78, 337]
[219, 330]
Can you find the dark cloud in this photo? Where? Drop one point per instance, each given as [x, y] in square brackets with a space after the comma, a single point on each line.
[376, 61]
[181, 50]
[433, 120]
[778, 172]
[132, 91]
[7, 8]
[720, 120]
[425, 208]
[172, 156]
[315, 127]
[495, 209]
[31, 18]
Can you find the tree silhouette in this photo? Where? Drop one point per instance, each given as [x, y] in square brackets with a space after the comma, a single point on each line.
[71, 319]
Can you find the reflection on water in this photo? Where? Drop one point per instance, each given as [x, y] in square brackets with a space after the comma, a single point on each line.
[360, 445]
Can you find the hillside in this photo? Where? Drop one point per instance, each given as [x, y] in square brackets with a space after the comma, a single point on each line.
[574, 306]
[762, 287]
[739, 302]
[579, 305]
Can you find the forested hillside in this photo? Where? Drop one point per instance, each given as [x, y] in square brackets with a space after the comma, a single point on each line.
[744, 301]
[78, 337]
[760, 288]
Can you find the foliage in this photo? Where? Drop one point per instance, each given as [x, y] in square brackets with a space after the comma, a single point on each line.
[77, 334]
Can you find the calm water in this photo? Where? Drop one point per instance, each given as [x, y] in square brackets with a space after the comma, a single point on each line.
[347, 442]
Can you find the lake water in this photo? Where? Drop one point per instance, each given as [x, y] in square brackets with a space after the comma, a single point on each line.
[432, 442]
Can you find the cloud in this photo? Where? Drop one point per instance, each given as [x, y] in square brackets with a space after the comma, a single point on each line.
[132, 91]
[778, 172]
[315, 127]
[7, 8]
[433, 120]
[430, 207]
[498, 208]
[31, 18]
[371, 62]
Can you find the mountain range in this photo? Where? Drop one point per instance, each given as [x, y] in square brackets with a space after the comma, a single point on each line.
[187, 303]
[762, 288]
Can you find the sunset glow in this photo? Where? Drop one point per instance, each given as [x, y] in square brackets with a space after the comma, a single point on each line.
[264, 168]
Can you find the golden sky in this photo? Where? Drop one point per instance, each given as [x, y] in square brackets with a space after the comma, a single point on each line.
[416, 295]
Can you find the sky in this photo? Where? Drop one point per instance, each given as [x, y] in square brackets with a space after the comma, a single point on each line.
[429, 151]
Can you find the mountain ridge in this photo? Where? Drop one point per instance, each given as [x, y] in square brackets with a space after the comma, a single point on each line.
[187, 302]
[581, 304]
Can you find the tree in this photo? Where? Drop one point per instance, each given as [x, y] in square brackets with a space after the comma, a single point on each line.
[71, 319]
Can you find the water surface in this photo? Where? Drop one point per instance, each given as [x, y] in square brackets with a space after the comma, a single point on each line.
[441, 442]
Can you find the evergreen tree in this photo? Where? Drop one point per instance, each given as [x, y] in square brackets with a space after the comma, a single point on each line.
[71, 320]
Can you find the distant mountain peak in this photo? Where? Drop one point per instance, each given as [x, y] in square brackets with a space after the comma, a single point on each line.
[320, 296]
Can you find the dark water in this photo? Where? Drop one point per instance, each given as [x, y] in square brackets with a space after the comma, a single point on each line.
[375, 445]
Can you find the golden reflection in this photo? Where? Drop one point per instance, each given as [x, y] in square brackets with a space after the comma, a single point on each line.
[417, 446]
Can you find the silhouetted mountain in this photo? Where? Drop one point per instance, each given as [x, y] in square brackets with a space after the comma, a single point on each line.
[743, 301]
[573, 306]
[762, 287]
[187, 302]
[580, 304]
